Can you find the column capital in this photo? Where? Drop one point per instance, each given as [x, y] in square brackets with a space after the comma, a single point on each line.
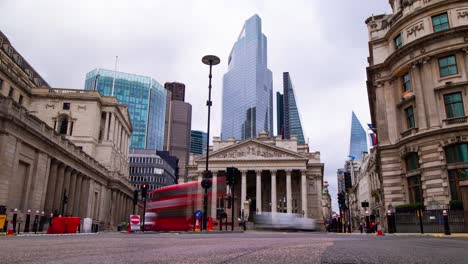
[273, 172]
[258, 171]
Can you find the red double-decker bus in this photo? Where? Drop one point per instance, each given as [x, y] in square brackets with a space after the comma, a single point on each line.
[171, 208]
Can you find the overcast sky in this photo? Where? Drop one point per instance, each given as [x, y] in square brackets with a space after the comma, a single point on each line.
[322, 44]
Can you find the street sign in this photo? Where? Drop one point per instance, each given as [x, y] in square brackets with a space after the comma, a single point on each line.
[134, 222]
[198, 213]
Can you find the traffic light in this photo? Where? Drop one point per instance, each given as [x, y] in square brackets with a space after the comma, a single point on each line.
[135, 197]
[342, 201]
[348, 182]
[144, 190]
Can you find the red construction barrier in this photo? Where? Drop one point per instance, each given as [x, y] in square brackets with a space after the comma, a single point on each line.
[64, 225]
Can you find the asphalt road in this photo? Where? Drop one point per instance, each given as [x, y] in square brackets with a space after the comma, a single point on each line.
[251, 247]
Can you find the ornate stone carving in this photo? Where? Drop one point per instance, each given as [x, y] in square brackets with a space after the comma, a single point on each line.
[49, 106]
[414, 29]
[81, 107]
[254, 152]
[463, 14]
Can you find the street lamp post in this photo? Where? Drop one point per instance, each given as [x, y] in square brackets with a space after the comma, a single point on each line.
[206, 183]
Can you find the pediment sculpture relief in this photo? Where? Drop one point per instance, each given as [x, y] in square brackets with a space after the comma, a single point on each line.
[251, 152]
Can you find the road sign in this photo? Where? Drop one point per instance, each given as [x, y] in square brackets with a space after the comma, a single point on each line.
[198, 213]
[134, 222]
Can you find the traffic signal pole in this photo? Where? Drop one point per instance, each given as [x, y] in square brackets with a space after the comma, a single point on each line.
[232, 207]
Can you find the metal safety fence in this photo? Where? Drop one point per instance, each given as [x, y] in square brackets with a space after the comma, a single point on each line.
[410, 220]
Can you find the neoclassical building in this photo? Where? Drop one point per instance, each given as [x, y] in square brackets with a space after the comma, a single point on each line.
[417, 87]
[60, 142]
[276, 175]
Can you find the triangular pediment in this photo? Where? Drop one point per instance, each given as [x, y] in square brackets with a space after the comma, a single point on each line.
[253, 150]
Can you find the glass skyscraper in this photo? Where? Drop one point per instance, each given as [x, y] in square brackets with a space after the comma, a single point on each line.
[358, 143]
[146, 101]
[198, 142]
[288, 120]
[248, 86]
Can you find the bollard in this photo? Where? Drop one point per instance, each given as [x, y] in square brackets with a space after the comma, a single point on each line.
[446, 223]
[28, 221]
[36, 222]
[390, 222]
[15, 215]
[41, 221]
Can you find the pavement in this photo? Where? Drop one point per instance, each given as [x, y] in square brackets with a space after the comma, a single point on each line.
[248, 247]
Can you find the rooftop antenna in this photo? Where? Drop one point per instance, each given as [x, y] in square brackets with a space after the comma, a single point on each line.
[115, 72]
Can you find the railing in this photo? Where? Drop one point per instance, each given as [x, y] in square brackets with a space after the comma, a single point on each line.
[456, 120]
[407, 221]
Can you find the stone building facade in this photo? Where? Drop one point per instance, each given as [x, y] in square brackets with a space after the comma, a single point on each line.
[276, 175]
[417, 87]
[56, 142]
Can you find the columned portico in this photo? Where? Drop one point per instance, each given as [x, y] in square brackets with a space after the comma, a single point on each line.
[273, 178]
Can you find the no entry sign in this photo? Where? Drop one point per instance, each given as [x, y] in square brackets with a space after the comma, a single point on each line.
[134, 219]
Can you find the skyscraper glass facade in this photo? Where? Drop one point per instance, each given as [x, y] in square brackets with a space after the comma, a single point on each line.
[279, 114]
[146, 101]
[292, 121]
[248, 86]
[358, 143]
[198, 142]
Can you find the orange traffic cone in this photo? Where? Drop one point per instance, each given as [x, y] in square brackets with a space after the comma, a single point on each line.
[10, 228]
[209, 228]
[197, 225]
[379, 229]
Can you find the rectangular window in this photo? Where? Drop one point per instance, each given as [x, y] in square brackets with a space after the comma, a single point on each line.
[454, 105]
[398, 41]
[409, 117]
[448, 66]
[406, 82]
[440, 22]
[415, 191]
[11, 92]
[66, 106]
[412, 161]
[455, 176]
[1, 84]
[457, 153]
[20, 100]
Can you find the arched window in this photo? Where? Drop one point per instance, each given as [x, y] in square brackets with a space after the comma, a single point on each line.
[63, 125]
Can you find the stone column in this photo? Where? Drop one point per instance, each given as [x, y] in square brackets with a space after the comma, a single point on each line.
[419, 97]
[243, 188]
[66, 189]
[51, 186]
[259, 191]
[114, 208]
[214, 192]
[112, 127]
[273, 191]
[71, 197]
[106, 126]
[304, 192]
[59, 188]
[76, 203]
[288, 192]
[429, 95]
[84, 197]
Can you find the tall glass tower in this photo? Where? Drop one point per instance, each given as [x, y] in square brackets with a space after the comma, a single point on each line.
[358, 143]
[248, 86]
[146, 101]
[289, 121]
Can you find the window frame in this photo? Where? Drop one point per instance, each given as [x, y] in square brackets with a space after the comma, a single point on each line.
[68, 106]
[407, 82]
[452, 103]
[454, 153]
[398, 41]
[410, 121]
[448, 66]
[412, 158]
[434, 26]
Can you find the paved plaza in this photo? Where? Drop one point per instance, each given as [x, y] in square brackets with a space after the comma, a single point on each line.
[250, 247]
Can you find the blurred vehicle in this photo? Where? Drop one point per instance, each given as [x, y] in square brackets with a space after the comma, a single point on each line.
[171, 208]
[283, 221]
